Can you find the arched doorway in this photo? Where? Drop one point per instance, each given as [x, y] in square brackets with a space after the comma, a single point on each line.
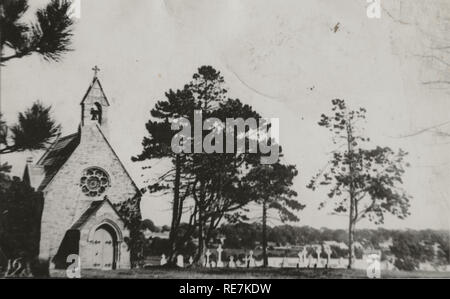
[105, 248]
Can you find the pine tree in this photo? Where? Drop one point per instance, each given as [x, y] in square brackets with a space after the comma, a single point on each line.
[33, 131]
[363, 182]
[50, 36]
[271, 188]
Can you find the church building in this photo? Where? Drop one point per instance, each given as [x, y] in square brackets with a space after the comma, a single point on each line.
[81, 179]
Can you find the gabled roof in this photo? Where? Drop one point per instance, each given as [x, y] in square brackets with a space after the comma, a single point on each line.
[56, 156]
[138, 191]
[91, 210]
[95, 90]
[60, 151]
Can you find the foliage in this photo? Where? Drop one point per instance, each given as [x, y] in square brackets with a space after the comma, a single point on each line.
[408, 248]
[361, 182]
[148, 224]
[411, 248]
[272, 183]
[20, 216]
[158, 146]
[213, 184]
[374, 175]
[20, 205]
[241, 235]
[156, 246]
[271, 187]
[34, 130]
[407, 251]
[130, 212]
[49, 36]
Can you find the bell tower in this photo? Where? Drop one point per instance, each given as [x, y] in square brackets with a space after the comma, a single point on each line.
[94, 106]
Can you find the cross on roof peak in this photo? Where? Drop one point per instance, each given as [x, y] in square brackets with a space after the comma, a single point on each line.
[96, 69]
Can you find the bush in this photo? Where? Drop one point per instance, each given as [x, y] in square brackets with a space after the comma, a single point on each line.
[406, 264]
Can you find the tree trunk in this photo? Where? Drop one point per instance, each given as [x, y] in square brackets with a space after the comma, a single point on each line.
[264, 234]
[351, 192]
[201, 229]
[350, 238]
[351, 225]
[201, 251]
[175, 211]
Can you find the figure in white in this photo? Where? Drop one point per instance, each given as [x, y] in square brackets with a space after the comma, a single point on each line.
[251, 259]
[310, 260]
[180, 261]
[163, 260]
[191, 260]
[219, 256]
[328, 252]
[318, 252]
[283, 262]
[373, 266]
[353, 254]
[246, 263]
[305, 255]
[208, 253]
[231, 263]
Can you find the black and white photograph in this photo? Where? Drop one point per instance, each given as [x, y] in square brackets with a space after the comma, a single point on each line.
[199, 140]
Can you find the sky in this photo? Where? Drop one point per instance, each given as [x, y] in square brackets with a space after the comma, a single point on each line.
[288, 59]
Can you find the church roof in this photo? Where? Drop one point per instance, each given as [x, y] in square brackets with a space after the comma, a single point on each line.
[56, 156]
[94, 206]
[95, 91]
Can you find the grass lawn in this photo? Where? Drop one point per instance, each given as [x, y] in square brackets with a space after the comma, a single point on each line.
[255, 273]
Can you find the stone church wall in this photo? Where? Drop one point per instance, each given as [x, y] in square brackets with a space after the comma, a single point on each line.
[64, 201]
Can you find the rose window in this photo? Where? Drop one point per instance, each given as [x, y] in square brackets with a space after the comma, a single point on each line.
[94, 181]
